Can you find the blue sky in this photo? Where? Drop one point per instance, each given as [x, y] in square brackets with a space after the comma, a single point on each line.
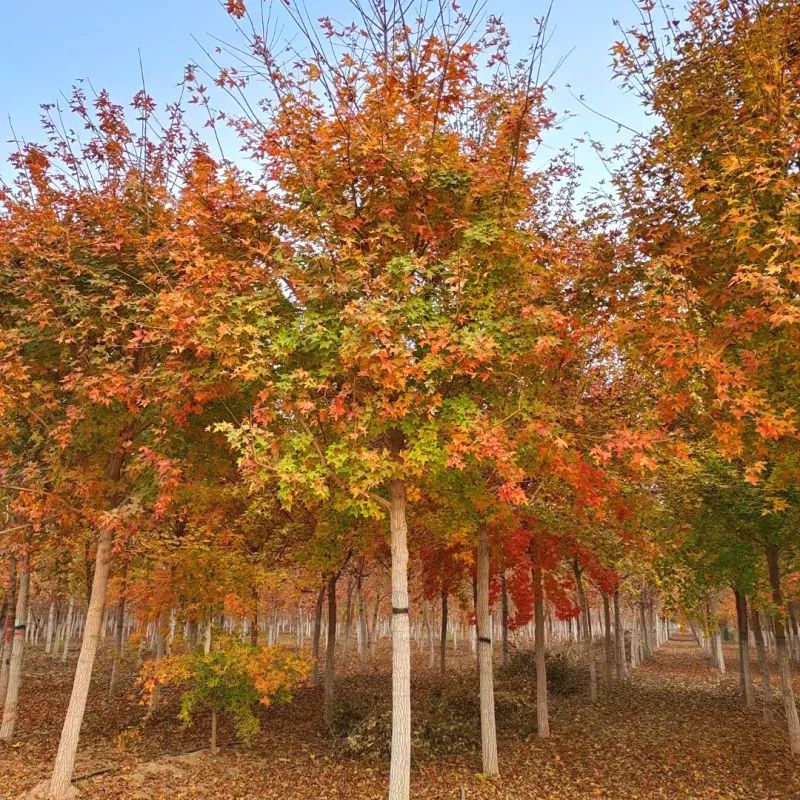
[50, 44]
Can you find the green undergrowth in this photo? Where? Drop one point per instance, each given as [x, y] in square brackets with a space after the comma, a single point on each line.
[445, 711]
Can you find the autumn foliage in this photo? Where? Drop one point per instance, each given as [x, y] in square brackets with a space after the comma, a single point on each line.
[391, 373]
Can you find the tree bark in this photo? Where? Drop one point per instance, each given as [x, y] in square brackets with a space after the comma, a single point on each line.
[362, 624]
[619, 636]
[316, 635]
[608, 642]
[373, 636]
[11, 706]
[645, 641]
[119, 630]
[542, 700]
[784, 667]
[504, 617]
[8, 627]
[474, 640]
[717, 645]
[254, 621]
[161, 633]
[209, 635]
[330, 653]
[400, 768]
[51, 624]
[443, 637]
[348, 619]
[745, 675]
[483, 626]
[763, 662]
[634, 640]
[792, 608]
[192, 632]
[586, 633]
[2, 627]
[68, 745]
[651, 622]
[431, 630]
[68, 628]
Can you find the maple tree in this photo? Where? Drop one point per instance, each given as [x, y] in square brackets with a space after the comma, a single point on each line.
[414, 282]
[709, 194]
[231, 678]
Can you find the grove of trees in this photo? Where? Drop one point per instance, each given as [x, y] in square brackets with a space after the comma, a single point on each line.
[389, 376]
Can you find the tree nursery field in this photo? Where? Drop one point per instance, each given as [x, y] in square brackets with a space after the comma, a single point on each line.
[351, 446]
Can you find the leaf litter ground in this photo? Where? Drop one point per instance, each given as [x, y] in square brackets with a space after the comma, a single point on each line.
[677, 731]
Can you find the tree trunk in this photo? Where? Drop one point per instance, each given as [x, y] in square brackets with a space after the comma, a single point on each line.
[400, 769]
[792, 607]
[119, 630]
[373, 637]
[348, 620]
[717, 645]
[8, 627]
[3, 613]
[51, 625]
[651, 624]
[68, 745]
[212, 744]
[504, 617]
[316, 636]
[542, 702]
[474, 640]
[330, 653]
[431, 629]
[763, 662]
[784, 667]
[443, 637]
[634, 640]
[208, 636]
[254, 621]
[608, 642]
[483, 626]
[362, 623]
[68, 628]
[619, 636]
[645, 641]
[586, 633]
[192, 632]
[745, 675]
[161, 632]
[10, 708]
